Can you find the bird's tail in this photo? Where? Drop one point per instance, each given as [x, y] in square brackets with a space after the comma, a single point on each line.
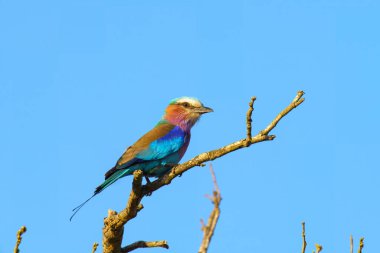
[112, 179]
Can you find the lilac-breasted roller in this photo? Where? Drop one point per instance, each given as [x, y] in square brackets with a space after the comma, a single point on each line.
[156, 152]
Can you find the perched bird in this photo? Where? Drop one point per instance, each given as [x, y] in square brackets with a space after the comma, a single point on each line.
[156, 152]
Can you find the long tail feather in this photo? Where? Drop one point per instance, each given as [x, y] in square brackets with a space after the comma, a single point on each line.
[112, 179]
[76, 209]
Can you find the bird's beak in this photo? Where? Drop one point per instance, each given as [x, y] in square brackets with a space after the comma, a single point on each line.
[203, 110]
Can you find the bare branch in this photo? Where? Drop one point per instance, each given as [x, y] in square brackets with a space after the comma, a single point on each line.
[143, 244]
[216, 186]
[304, 243]
[114, 224]
[208, 230]
[318, 248]
[351, 244]
[249, 118]
[94, 247]
[361, 245]
[21, 231]
[296, 102]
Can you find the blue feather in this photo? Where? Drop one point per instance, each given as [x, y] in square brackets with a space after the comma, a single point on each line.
[164, 146]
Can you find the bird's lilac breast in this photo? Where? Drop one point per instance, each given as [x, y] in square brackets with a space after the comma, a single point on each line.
[183, 149]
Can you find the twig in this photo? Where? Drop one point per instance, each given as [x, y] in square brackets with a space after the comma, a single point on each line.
[318, 248]
[249, 118]
[351, 244]
[216, 186]
[21, 231]
[296, 102]
[143, 244]
[94, 247]
[203, 224]
[114, 223]
[304, 243]
[208, 230]
[361, 245]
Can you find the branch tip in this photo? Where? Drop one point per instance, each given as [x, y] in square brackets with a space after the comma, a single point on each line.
[144, 244]
[20, 232]
[94, 247]
[300, 93]
[361, 245]
[351, 244]
[318, 248]
[249, 119]
[294, 104]
[304, 243]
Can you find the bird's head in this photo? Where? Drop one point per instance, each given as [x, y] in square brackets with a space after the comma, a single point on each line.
[185, 112]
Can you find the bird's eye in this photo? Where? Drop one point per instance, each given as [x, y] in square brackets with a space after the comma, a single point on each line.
[186, 104]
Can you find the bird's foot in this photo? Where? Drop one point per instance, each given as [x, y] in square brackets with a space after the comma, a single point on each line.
[148, 182]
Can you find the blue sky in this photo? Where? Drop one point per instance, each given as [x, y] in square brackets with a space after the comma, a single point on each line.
[82, 80]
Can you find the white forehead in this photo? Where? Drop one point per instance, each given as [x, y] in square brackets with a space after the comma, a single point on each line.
[192, 101]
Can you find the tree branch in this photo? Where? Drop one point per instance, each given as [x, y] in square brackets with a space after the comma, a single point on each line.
[143, 244]
[94, 247]
[21, 231]
[133, 205]
[296, 102]
[114, 224]
[208, 230]
[351, 244]
[304, 243]
[249, 118]
[361, 245]
[318, 248]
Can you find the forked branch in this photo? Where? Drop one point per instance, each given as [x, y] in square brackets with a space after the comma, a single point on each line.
[209, 228]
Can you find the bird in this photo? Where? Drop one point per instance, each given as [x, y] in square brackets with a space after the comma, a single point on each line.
[160, 149]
